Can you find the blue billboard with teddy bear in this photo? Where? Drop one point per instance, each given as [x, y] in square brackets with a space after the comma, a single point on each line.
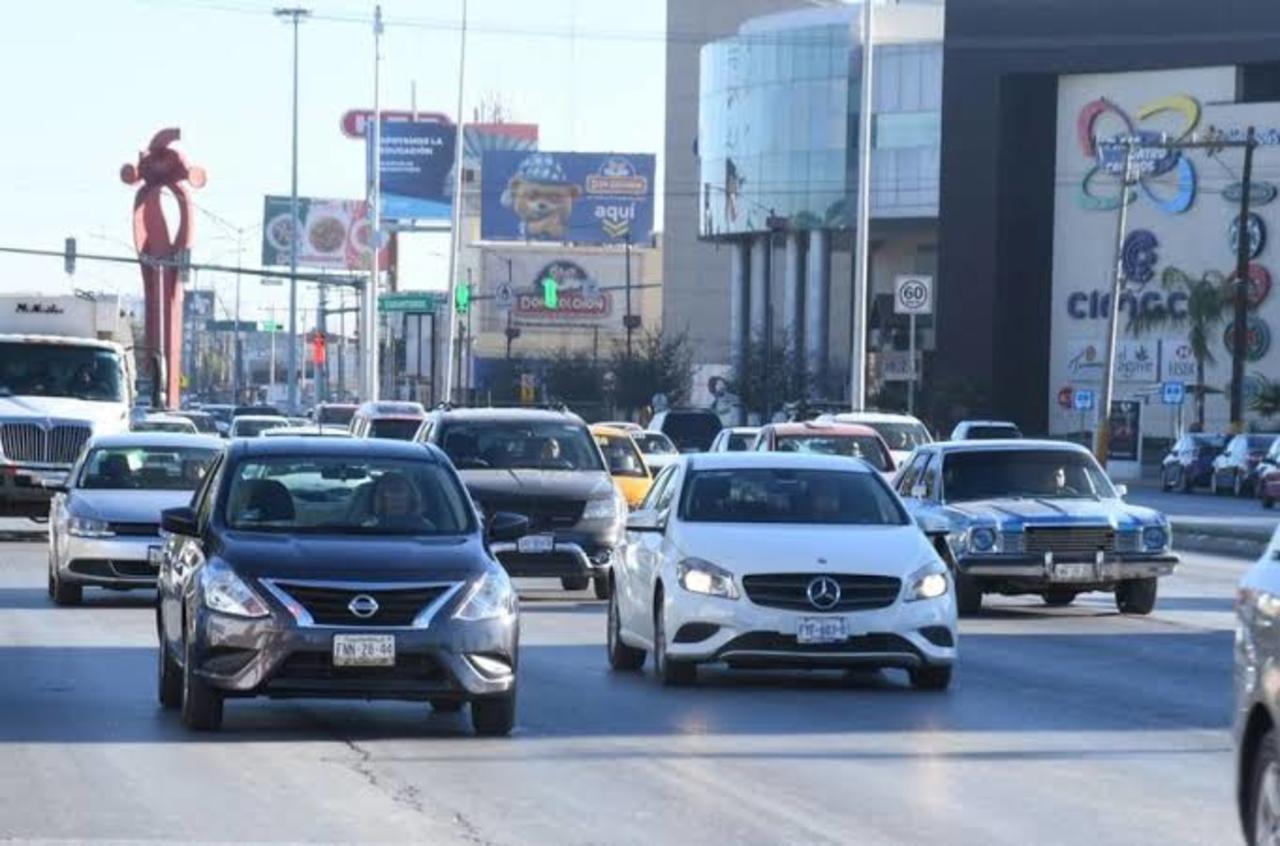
[583, 198]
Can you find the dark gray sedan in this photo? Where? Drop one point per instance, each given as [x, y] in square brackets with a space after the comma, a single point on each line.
[334, 568]
[1257, 683]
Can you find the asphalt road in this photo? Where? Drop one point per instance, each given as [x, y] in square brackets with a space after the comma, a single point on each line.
[1064, 726]
[1202, 505]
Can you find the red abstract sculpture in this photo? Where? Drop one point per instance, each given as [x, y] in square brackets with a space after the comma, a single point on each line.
[160, 167]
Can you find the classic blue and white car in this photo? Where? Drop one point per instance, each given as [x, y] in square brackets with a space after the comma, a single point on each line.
[1035, 517]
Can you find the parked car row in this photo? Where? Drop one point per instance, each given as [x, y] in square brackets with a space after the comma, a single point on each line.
[1245, 465]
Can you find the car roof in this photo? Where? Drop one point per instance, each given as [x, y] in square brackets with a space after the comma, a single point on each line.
[823, 427]
[774, 460]
[611, 431]
[392, 408]
[508, 414]
[1007, 423]
[252, 418]
[1006, 445]
[352, 447]
[872, 417]
[156, 440]
[166, 417]
[311, 431]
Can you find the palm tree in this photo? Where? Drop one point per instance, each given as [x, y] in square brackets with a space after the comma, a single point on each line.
[1267, 401]
[1209, 304]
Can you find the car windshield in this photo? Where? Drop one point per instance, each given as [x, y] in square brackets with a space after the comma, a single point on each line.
[740, 441]
[902, 437]
[520, 445]
[1260, 443]
[61, 370]
[991, 433]
[622, 456]
[768, 495]
[243, 428]
[147, 468]
[394, 429]
[654, 443]
[175, 426]
[691, 430]
[346, 495]
[203, 422]
[1040, 474]
[336, 415]
[865, 447]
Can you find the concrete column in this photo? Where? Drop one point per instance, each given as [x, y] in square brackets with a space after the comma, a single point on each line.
[817, 300]
[793, 295]
[759, 287]
[738, 301]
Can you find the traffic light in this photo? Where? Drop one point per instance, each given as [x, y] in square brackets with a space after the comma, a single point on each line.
[319, 348]
[69, 256]
[550, 293]
[462, 298]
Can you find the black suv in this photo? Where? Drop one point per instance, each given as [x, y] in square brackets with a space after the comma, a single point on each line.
[545, 465]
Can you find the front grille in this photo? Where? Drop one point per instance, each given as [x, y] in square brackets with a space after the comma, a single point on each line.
[789, 591]
[328, 606]
[1129, 540]
[102, 568]
[1069, 540]
[1011, 543]
[136, 530]
[318, 666]
[774, 642]
[60, 444]
[544, 514]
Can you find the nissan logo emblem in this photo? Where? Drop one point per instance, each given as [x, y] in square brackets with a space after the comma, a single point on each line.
[365, 606]
[824, 593]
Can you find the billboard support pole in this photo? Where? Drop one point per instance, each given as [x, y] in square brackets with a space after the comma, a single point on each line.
[628, 284]
[1102, 435]
[369, 380]
[295, 15]
[1240, 347]
[455, 238]
[861, 248]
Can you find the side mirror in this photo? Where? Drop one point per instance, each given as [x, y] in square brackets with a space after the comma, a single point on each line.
[506, 526]
[1122, 491]
[646, 521]
[179, 521]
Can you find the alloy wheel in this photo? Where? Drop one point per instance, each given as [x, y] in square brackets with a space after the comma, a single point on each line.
[1266, 807]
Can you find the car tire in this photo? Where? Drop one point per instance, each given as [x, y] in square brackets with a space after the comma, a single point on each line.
[930, 677]
[446, 706]
[1238, 488]
[168, 678]
[1166, 484]
[1136, 596]
[574, 582]
[670, 673]
[201, 704]
[622, 658]
[1185, 481]
[64, 594]
[968, 595]
[494, 716]
[1268, 502]
[1059, 598]
[1218, 490]
[600, 584]
[1264, 777]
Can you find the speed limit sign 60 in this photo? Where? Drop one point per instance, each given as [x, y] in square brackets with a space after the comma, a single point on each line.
[912, 294]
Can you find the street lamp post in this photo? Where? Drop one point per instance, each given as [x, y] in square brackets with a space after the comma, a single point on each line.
[295, 15]
[369, 315]
[455, 240]
[862, 222]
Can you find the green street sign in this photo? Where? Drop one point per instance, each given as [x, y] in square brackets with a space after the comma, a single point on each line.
[268, 326]
[412, 302]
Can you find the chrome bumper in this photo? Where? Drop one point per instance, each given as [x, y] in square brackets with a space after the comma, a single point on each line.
[1106, 568]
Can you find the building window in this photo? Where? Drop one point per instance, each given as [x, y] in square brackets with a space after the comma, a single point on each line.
[906, 130]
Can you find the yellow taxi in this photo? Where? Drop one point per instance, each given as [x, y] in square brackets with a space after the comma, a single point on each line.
[626, 463]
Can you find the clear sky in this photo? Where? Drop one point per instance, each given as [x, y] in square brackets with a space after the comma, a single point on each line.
[87, 82]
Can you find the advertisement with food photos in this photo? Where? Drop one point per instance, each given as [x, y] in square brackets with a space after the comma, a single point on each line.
[333, 234]
[581, 198]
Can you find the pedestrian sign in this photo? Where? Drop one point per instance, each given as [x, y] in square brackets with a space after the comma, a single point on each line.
[1083, 400]
[504, 297]
[1173, 393]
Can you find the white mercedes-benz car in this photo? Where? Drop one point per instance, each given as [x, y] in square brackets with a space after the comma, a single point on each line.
[779, 560]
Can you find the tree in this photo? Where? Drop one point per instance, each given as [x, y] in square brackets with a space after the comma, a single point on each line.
[660, 363]
[571, 376]
[1209, 304]
[1267, 400]
[774, 375]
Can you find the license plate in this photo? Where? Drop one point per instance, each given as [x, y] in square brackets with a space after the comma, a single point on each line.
[1073, 572]
[535, 544]
[364, 650]
[155, 555]
[821, 630]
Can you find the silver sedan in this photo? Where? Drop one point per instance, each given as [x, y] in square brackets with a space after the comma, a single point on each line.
[104, 522]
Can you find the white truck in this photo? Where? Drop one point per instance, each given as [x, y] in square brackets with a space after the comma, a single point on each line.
[66, 374]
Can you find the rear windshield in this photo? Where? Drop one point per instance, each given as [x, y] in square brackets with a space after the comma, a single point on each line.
[336, 415]
[822, 497]
[149, 468]
[902, 437]
[739, 442]
[520, 445]
[691, 430]
[852, 446]
[1260, 443]
[991, 433]
[654, 443]
[178, 427]
[204, 423]
[253, 428]
[394, 430]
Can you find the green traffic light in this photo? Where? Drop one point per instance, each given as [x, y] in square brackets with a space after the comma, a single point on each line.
[462, 298]
[550, 293]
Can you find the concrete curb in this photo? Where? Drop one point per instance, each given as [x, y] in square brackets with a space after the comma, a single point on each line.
[1220, 539]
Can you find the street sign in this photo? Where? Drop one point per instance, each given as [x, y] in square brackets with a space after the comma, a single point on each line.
[412, 302]
[230, 326]
[355, 121]
[504, 298]
[1173, 393]
[1083, 400]
[269, 326]
[912, 294]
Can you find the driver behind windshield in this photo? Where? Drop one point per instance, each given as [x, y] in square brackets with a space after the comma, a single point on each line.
[1060, 486]
[396, 504]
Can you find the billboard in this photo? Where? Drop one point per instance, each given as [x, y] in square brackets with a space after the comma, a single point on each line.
[480, 138]
[589, 286]
[416, 168]
[335, 234]
[583, 198]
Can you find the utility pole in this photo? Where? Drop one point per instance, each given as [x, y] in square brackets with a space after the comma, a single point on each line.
[627, 320]
[1240, 347]
[322, 367]
[369, 382]
[1102, 434]
[455, 236]
[296, 15]
[862, 223]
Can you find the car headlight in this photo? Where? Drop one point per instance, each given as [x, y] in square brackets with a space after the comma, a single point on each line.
[227, 593]
[87, 527]
[1155, 538]
[929, 582]
[610, 508]
[698, 576]
[983, 539]
[490, 598]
